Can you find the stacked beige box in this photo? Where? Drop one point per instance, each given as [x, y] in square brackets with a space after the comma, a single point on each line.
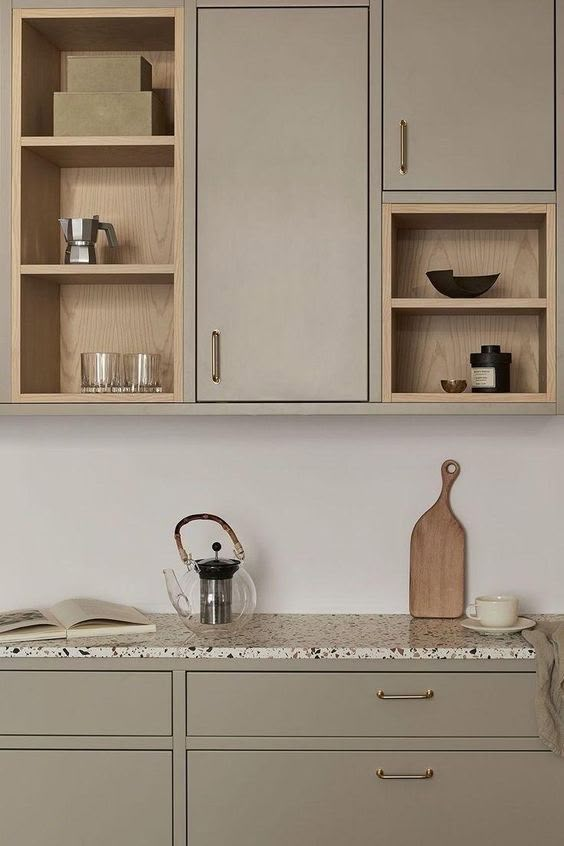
[108, 95]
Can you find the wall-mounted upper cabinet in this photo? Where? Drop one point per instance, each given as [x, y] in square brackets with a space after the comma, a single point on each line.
[473, 82]
[282, 281]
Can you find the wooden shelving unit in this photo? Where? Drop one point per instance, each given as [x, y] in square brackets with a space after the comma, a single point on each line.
[132, 299]
[427, 337]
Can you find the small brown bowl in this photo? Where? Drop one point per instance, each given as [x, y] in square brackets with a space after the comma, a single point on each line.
[454, 386]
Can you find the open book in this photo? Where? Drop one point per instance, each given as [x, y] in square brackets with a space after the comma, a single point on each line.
[73, 618]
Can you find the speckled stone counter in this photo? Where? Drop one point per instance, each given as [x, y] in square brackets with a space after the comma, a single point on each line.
[295, 636]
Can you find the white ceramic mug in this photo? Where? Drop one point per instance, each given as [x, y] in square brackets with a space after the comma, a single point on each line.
[497, 612]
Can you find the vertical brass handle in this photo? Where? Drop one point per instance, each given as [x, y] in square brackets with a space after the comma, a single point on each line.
[403, 147]
[215, 366]
[427, 774]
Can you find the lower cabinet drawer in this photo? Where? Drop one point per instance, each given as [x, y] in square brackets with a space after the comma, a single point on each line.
[331, 798]
[85, 703]
[361, 704]
[72, 797]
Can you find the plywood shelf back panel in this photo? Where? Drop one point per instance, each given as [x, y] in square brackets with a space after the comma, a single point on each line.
[138, 201]
[118, 318]
[513, 253]
[428, 348]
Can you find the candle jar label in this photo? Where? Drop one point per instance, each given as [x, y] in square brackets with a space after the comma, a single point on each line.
[483, 377]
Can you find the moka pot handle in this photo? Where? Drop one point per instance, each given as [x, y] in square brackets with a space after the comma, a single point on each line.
[187, 556]
[110, 233]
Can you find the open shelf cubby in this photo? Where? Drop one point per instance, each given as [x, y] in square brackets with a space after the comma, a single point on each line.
[427, 337]
[131, 300]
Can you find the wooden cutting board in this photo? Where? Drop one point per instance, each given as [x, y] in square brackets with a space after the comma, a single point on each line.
[436, 578]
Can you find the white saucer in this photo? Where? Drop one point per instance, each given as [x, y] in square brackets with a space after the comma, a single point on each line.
[476, 626]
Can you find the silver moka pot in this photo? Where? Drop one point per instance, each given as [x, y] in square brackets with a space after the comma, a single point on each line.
[81, 234]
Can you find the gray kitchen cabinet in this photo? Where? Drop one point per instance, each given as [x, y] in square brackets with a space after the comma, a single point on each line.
[264, 751]
[335, 797]
[349, 705]
[87, 798]
[282, 175]
[474, 82]
[65, 703]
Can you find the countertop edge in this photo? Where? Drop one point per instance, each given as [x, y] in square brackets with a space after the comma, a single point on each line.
[279, 653]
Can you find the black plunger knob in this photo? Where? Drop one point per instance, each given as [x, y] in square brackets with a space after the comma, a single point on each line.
[216, 547]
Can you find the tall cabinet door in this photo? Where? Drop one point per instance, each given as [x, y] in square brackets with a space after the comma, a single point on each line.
[282, 204]
[474, 82]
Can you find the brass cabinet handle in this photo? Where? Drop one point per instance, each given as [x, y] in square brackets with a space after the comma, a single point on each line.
[215, 371]
[427, 695]
[403, 147]
[415, 776]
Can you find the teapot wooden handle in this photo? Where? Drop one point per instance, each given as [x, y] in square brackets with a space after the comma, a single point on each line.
[187, 556]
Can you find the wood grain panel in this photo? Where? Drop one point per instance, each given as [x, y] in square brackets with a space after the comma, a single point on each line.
[514, 253]
[429, 348]
[104, 151]
[107, 29]
[178, 206]
[91, 274]
[477, 305]
[138, 201]
[163, 75]
[115, 318]
[40, 200]
[40, 327]
[40, 77]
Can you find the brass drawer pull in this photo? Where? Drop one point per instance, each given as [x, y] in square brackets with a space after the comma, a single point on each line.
[416, 776]
[403, 147]
[427, 695]
[215, 374]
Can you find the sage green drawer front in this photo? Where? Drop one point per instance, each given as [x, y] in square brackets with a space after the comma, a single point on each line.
[347, 704]
[78, 798]
[331, 798]
[87, 703]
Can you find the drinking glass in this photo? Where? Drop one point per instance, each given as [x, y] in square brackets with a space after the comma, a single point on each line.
[101, 372]
[142, 373]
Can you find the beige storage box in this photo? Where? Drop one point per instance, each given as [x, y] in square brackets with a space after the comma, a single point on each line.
[108, 113]
[109, 73]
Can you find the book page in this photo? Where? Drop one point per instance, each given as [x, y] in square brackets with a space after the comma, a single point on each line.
[71, 612]
[25, 618]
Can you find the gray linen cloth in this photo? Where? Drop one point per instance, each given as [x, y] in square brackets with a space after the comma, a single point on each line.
[548, 641]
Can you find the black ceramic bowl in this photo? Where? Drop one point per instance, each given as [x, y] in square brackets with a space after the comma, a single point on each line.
[460, 286]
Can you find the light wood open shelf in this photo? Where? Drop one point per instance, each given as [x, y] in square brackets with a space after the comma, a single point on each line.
[132, 299]
[103, 151]
[492, 305]
[426, 337]
[468, 397]
[97, 398]
[90, 274]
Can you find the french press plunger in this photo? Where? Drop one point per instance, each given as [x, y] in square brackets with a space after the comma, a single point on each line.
[211, 591]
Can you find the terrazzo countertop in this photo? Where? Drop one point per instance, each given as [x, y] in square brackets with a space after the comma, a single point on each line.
[295, 636]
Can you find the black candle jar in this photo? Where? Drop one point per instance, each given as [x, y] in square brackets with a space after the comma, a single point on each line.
[490, 370]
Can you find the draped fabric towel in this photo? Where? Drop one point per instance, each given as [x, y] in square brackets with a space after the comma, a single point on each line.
[548, 640]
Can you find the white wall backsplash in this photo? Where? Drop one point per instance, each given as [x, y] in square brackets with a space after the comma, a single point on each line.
[323, 506]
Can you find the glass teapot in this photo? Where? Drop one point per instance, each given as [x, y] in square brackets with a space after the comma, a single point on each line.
[211, 592]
